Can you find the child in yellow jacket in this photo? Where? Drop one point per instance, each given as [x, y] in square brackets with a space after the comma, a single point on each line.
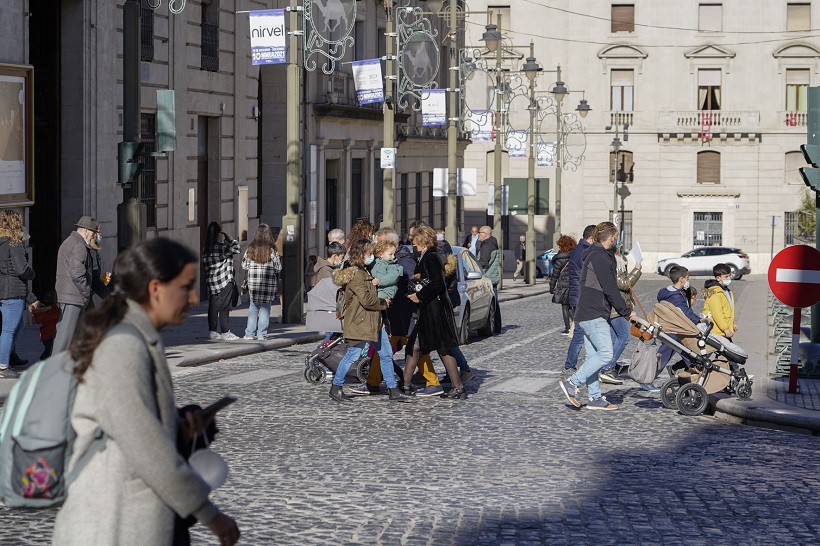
[720, 301]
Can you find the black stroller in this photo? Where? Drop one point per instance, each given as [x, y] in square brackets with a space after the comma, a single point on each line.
[321, 363]
[714, 363]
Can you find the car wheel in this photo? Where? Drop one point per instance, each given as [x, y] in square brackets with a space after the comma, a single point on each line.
[538, 274]
[464, 331]
[667, 269]
[733, 271]
[488, 330]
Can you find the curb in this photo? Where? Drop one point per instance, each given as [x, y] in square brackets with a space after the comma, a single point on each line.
[766, 414]
[244, 349]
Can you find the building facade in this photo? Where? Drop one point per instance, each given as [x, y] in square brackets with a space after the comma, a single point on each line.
[715, 98]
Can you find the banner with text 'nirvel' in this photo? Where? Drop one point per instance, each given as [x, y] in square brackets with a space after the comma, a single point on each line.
[367, 77]
[268, 36]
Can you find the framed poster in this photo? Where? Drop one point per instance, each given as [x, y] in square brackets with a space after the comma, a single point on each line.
[16, 135]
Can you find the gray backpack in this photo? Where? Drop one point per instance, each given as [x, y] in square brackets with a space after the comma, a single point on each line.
[644, 365]
[36, 437]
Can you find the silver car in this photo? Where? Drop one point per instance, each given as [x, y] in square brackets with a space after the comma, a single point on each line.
[476, 310]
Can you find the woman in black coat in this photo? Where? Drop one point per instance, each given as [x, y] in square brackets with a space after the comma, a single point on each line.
[435, 329]
[559, 279]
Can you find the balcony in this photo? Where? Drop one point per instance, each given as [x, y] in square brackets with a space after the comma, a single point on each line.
[793, 119]
[339, 100]
[620, 118]
[721, 121]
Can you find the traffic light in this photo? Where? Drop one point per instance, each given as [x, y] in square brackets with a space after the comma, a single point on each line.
[128, 155]
[811, 175]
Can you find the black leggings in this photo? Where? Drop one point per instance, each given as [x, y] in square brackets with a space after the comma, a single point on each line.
[566, 311]
[219, 305]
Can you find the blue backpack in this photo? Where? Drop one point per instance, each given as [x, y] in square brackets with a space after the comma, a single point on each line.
[36, 436]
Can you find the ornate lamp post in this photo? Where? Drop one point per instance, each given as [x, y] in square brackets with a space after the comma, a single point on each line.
[531, 69]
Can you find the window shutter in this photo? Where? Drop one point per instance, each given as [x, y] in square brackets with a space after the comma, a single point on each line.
[623, 18]
[798, 17]
[708, 77]
[622, 77]
[710, 18]
[797, 76]
[708, 168]
[625, 162]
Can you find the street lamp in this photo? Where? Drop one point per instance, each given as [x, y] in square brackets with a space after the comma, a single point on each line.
[531, 69]
[616, 148]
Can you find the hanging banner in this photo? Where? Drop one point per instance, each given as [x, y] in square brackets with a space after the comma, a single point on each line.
[433, 108]
[466, 182]
[546, 154]
[517, 144]
[268, 36]
[481, 125]
[367, 77]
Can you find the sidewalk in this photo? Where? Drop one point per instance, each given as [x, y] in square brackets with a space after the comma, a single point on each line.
[188, 345]
[770, 405]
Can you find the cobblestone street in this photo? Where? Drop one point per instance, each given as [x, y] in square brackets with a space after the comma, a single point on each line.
[513, 465]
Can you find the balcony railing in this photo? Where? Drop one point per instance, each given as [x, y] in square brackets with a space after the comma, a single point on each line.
[620, 118]
[718, 120]
[794, 119]
[210, 47]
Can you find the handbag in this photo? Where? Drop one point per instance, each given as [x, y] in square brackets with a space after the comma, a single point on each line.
[634, 331]
[234, 293]
[643, 368]
[245, 289]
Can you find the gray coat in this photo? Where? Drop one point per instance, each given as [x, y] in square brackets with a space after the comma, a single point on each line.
[128, 493]
[75, 278]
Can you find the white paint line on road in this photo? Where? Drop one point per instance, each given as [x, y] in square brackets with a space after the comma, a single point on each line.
[527, 385]
[251, 377]
[508, 348]
[801, 276]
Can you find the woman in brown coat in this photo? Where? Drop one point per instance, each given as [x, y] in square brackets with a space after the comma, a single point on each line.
[362, 322]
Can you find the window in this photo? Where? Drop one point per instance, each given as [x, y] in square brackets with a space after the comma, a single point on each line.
[710, 17]
[210, 35]
[623, 18]
[798, 17]
[419, 210]
[797, 89]
[356, 190]
[797, 224]
[505, 17]
[622, 84]
[794, 160]
[708, 167]
[148, 178]
[708, 230]
[709, 89]
[790, 227]
[625, 169]
[383, 43]
[378, 191]
[147, 35]
[359, 40]
[623, 220]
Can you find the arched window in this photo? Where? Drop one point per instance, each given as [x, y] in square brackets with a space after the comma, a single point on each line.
[708, 167]
[625, 169]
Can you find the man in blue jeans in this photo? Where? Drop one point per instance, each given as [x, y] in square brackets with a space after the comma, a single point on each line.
[598, 296]
[575, 265]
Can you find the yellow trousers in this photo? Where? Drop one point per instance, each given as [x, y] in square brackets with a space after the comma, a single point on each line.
[374, 378]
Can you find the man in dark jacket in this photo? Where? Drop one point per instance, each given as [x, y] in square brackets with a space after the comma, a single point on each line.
[598, 296]
[521, 259]
[487, 244]
[574, 271]
[676, 295]
[75, 281]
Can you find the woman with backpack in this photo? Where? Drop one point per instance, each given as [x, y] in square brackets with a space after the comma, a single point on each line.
[217, 256]
[262, 266]
[130, 491]
[559, 279]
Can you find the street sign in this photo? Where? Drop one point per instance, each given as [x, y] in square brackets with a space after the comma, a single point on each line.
[794, 276]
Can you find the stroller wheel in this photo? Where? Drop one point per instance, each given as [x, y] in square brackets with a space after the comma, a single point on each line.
[691, 399]
[314, 375]
[743, 389]
[363, 369]
[669, 391]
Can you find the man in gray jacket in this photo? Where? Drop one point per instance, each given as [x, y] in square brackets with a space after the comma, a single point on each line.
[75, 283]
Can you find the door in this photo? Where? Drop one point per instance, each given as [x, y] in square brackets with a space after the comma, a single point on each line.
[331, 203]
[202, 193]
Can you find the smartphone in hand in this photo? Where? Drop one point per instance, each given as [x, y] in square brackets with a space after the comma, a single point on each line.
[210, 411]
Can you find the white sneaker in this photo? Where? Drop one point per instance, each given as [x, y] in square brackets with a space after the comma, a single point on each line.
[229, 336]
[251, 338]
[214, 336]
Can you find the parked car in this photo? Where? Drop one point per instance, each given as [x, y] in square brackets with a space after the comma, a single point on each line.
[477, 308]
[543, 264]
[700, 261]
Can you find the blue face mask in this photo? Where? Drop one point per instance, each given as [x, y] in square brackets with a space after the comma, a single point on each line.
[369, 260]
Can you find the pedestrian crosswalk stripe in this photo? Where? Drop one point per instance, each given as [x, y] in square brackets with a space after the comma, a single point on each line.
[251, 377]
[525, 384]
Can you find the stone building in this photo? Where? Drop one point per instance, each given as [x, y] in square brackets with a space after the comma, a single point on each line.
[714, 95]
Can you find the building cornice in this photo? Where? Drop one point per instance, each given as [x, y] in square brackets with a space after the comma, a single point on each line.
[710, 51]
[797, 50]
[703, 192]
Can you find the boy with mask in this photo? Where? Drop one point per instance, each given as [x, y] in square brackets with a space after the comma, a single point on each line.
[720, 301]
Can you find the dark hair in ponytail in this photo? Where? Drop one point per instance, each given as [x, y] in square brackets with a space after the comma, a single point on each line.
[159, 258]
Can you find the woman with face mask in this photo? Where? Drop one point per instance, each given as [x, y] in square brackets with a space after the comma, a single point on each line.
[130, 491]
[362, 322]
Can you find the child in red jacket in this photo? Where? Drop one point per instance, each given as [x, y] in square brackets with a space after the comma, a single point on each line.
[47, 316]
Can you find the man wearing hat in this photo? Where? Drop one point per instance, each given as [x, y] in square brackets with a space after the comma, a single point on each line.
[75, 281]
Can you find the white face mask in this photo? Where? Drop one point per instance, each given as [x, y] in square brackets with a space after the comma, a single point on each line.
[686, 285]
[369, 260]
[727, 282]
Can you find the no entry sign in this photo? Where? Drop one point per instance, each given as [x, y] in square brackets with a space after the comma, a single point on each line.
[794, 276]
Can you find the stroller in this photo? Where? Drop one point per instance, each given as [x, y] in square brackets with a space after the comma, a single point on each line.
[714, 363]
[322, 362]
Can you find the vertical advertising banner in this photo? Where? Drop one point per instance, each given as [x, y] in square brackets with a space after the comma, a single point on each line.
[268, 36]
[367, 77]
[433, 108]
[546, 154]
[517, 144]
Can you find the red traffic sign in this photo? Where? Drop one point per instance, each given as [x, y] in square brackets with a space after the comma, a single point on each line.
[794, 276]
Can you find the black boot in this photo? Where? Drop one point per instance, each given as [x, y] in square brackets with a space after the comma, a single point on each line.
[397, 396]
[338, 394]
